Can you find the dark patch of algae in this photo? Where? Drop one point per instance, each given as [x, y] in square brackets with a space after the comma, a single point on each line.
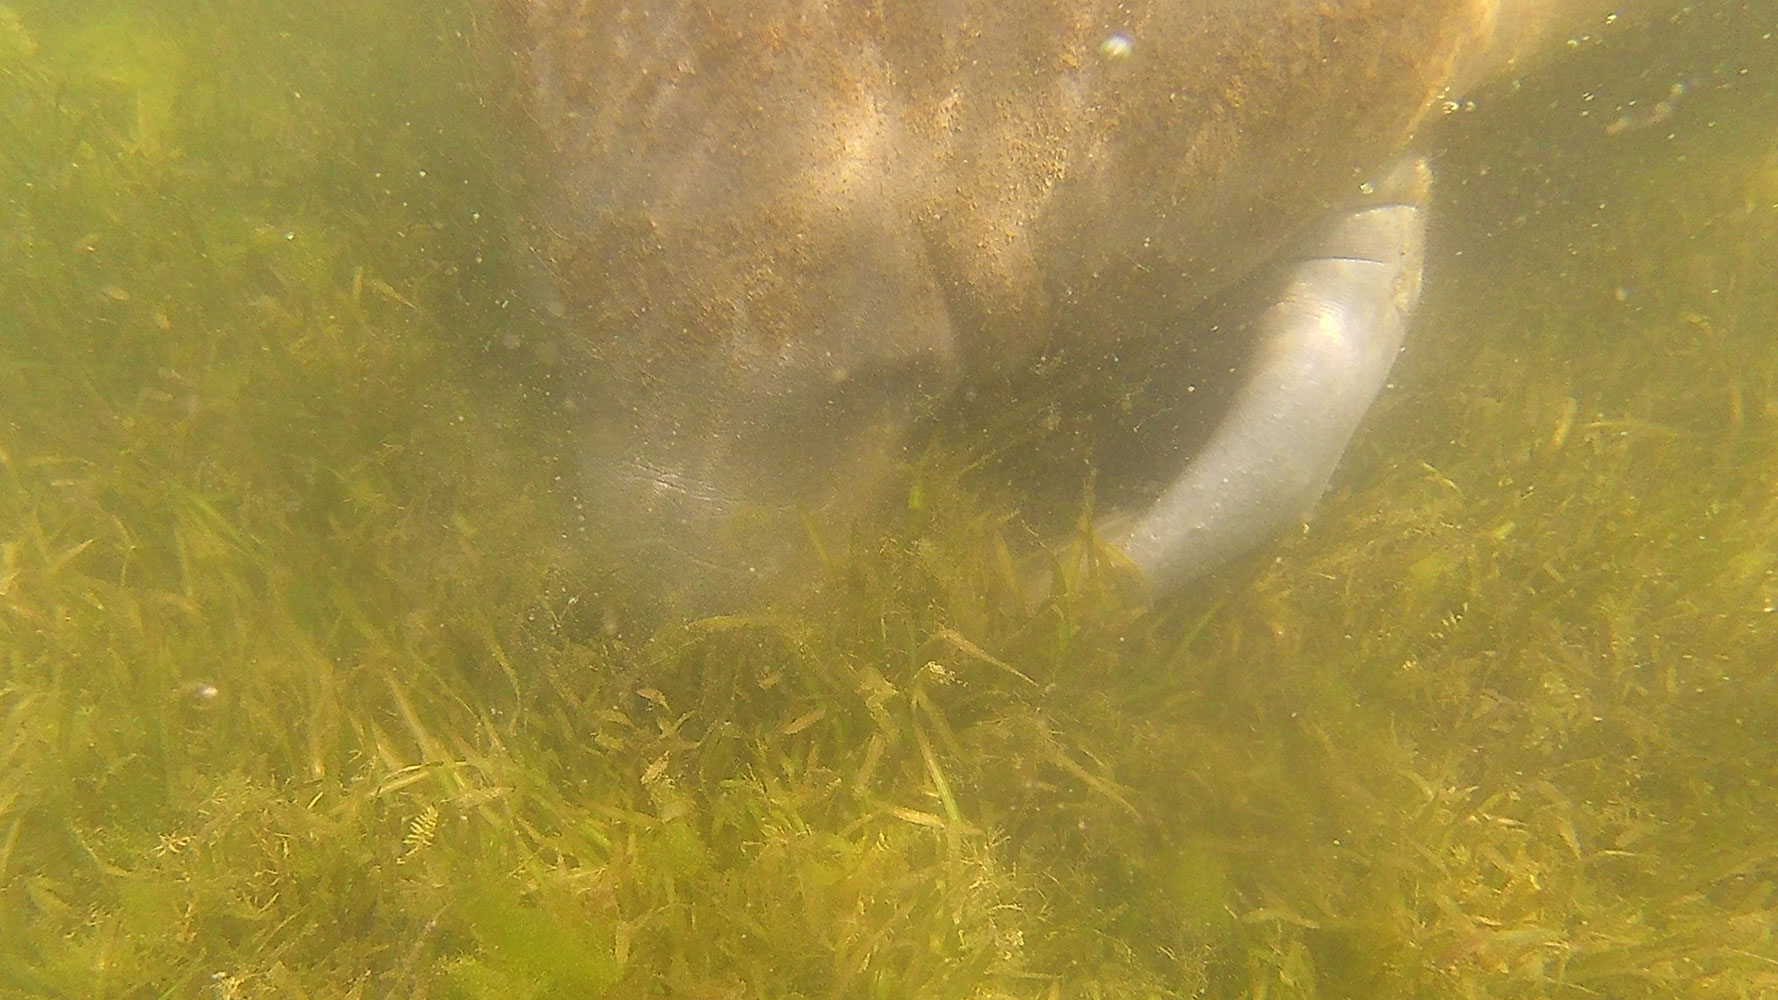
[297, 701]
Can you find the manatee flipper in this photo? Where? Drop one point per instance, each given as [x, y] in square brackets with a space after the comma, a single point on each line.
[1323, 352]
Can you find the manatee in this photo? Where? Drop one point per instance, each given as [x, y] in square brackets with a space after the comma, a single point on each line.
[776, 233]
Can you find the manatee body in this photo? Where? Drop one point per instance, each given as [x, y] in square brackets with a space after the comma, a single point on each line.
[780, 230]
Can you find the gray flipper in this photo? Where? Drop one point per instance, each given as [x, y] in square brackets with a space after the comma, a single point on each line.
[1323, 353]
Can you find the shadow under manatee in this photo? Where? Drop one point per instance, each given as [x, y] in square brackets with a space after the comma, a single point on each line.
[1090, 428]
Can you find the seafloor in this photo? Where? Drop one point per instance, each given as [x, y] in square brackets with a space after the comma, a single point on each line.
[303, 695]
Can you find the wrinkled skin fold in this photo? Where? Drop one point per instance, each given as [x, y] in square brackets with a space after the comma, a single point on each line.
[777, 232]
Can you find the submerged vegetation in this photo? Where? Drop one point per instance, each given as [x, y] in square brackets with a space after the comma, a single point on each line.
[302, 697]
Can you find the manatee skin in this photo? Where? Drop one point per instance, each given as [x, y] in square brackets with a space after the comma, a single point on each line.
[780, 230]
[1321, 354]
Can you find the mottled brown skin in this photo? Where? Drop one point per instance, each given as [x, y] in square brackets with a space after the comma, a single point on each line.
[780, 228]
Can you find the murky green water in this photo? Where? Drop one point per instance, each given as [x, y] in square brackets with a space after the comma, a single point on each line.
[301, 696]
